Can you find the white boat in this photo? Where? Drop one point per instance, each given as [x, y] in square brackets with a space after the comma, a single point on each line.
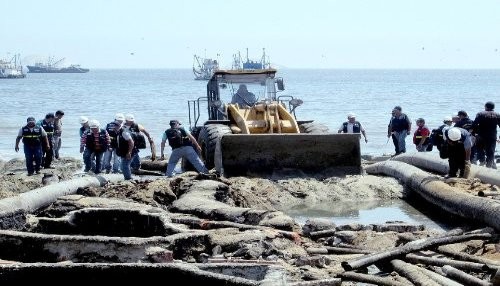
[204, 68]
[12, 68]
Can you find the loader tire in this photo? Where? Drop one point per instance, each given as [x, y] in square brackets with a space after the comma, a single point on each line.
[313, 128]
[209, 135]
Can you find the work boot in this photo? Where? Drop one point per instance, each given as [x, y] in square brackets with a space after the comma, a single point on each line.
[206, 176]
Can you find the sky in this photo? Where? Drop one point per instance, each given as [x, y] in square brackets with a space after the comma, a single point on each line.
[372, 34]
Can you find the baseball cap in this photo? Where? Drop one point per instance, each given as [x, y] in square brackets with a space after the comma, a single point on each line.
[31, 119]
[119, 116]
[174, 122]
[129, 117]
[83, 119]
[462, 113]
[94, 124]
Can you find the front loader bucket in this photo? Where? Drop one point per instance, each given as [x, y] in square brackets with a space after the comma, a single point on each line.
[240, 154]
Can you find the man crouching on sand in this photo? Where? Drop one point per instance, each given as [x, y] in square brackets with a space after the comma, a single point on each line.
[459, 151]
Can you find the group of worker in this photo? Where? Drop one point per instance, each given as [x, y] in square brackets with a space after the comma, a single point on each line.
[114, 148]
[41, 140]
[462, 143]
[120, 143]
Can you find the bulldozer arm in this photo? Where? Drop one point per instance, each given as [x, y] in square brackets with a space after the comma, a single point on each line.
[262, 118]
[242, 154]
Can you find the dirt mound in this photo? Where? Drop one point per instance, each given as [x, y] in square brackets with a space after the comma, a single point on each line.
[155, 193]
[285, 193]
[14, 179]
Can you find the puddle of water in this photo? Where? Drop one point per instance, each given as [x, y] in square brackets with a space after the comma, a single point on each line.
[365, 212]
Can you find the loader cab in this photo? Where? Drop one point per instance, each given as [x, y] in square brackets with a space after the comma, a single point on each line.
[222, 89]
[242, 87]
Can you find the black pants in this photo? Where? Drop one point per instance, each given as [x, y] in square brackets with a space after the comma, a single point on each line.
[47, 155]
[485, 151]
[456, 159]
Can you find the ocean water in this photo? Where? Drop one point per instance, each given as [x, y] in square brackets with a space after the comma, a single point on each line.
[157, 96]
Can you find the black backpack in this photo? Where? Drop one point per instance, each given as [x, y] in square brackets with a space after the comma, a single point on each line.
[436, 137]
[175, 137]
[139, 140]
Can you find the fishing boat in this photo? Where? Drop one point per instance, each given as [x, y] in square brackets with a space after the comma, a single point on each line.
[52, 66]
[204, 68]
[12, 68]
[239, 64]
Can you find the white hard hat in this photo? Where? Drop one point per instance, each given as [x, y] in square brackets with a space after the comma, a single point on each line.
[119, 116]
[129, 117]
[454, 134]
[94, 123]
[447, 118]
[351, 115]
[83, 119]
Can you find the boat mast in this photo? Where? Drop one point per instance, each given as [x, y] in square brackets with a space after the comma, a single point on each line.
[59, 61]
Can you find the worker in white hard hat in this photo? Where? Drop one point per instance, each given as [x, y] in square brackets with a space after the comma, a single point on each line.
[459, 144]
[352, 126]
[124, 149]
[136, 131]
[84, 121]
[437, 137]
[110, 155]
[94, 142]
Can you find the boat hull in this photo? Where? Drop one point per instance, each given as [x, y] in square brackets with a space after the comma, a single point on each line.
[35, 69]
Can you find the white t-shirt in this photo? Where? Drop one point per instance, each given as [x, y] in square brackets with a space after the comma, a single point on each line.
[126, 135]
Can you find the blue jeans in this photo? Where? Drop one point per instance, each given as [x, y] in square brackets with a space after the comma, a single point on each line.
[111, 154]
[422, 148]
[125, 164]
[399, 140]
[136, 160]
[88, 160]
[56, 141]
[188, 153]
[33, 154]
[92, 161]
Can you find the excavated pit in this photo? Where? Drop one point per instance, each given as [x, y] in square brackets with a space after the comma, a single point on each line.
[106, 222]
